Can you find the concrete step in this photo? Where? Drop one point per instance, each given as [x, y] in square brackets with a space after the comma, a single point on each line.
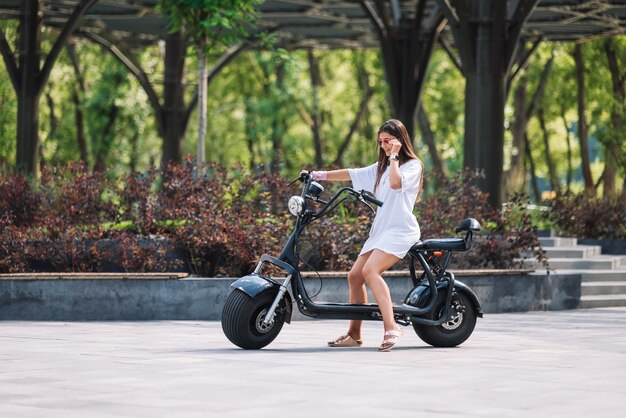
[579, 251]
[603, 288]
[558, 242]
[596, 262]
[602, 301]
[617, 275]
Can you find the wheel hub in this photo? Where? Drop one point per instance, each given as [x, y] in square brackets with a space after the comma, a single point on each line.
[261, 326]
[457, 318]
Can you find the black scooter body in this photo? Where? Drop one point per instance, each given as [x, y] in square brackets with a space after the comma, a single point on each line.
[437, 306]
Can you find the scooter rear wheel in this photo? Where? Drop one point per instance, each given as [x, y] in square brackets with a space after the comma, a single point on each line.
[453, 332]
[242, 320]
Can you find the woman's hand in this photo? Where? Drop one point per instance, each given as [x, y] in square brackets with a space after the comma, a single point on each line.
[395, 146]
[316, 175]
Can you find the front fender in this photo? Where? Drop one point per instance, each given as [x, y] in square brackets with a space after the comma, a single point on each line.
[255, 284]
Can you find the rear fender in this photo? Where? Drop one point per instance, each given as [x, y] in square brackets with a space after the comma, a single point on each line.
[255, 284]
[460, 287]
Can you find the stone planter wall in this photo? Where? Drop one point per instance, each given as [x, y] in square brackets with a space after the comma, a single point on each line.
[157, 298]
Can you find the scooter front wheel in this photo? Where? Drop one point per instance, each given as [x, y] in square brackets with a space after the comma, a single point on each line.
[456, 330]
[242, 320]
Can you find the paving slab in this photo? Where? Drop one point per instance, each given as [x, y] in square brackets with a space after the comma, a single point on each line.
[539, 364]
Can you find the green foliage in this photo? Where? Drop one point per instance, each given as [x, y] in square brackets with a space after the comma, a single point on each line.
[506, 235]
[8, 119]
[444, 101]
[208, 22]
[583, 216]
[217, 225]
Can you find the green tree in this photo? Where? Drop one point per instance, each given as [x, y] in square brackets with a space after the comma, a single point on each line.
[207, 23]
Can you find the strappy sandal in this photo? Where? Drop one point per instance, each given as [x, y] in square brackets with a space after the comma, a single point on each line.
[345, 341]
[390, 340]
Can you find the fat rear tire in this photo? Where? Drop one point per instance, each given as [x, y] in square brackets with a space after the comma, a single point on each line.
[242, 316]
[454, 332]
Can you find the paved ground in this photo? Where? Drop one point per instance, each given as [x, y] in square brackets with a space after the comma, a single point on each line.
[547, 364]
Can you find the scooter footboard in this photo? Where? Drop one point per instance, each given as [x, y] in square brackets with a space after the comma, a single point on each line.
[255, 284]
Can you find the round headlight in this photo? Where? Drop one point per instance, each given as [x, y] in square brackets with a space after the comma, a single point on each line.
[296, 205]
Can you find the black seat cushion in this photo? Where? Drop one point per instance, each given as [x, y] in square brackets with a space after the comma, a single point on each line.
[449, 244]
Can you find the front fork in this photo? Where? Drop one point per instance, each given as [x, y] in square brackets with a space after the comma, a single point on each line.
[271, 313]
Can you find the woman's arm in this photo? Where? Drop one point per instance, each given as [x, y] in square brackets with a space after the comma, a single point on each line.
[334, 175]
[395, 179]
[338, 175]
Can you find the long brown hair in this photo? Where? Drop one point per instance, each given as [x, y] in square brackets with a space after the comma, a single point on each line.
[396, 129]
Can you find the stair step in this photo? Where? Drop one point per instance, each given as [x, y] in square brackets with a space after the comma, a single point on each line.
[579, 251]
[597, 262]
[602, 301]
[558, 242]
[603, 288]
[604, 276]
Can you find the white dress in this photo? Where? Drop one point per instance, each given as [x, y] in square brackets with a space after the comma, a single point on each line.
[395, 228]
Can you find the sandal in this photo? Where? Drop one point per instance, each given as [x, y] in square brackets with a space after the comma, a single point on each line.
[390, 340]
[345, 341]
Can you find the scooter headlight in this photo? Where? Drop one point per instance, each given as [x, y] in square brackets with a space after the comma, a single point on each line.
[296, 205]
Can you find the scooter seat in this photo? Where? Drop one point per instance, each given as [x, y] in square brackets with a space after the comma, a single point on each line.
[445, 244]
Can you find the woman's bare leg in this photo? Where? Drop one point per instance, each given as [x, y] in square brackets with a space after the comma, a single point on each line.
[358, 293]
[377, 262]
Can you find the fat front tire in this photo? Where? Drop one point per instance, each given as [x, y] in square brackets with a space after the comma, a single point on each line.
[242, 320]
[453, 332]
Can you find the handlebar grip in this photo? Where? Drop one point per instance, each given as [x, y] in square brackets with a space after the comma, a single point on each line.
[372, 199]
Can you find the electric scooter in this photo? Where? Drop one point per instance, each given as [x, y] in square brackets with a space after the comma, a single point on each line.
[442, 310]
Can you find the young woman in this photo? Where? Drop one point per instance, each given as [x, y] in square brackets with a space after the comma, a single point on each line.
[396, 180]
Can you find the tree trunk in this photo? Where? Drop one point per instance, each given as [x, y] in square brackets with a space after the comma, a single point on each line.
[582, 121]
[277, 126]
[484, 122]
[316, 117]
[28, 93]
[251, 131]
[202, 107]
[487, 36]
[368, 92]
[533, 172]
[33, 76]
[570, 169]
[546, 144]
[108, 136]
[612, 148]
[429, 139]
[78, 95]
[54, 123]
[516, 178]
[173, 110]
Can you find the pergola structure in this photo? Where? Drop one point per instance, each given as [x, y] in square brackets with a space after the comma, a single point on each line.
[483, 38]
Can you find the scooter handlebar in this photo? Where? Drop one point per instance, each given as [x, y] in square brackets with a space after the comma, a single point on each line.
[371, 199]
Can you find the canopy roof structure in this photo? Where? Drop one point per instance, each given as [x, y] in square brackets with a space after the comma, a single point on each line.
[485, 34]
[332, 23]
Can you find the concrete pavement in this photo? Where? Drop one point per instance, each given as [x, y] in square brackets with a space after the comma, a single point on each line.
[536, 364]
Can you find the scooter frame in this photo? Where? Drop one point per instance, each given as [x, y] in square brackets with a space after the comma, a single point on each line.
[418, 304]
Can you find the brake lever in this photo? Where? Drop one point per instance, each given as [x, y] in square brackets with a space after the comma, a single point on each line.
[299, 178]
[293, 182]
[368, 205]
[360, 198]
